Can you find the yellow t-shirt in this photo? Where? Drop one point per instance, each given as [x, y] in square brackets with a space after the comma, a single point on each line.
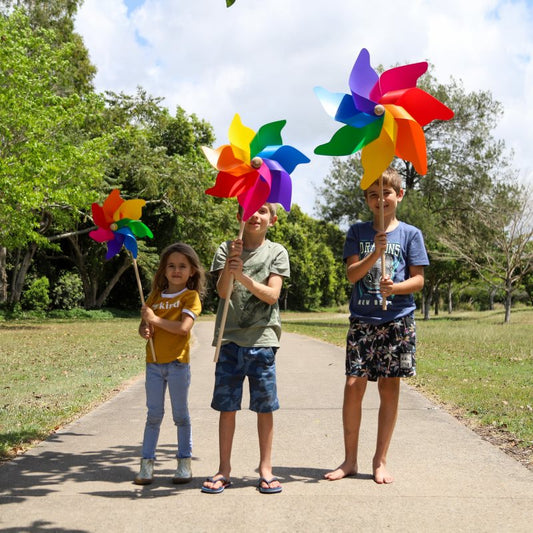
[168, 346]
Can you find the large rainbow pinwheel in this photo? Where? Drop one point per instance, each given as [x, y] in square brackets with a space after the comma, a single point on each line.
[118, 224]
[254, 167]
[384, 116]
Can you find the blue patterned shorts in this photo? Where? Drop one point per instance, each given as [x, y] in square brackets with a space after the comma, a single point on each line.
[384, 350]
[234, 364]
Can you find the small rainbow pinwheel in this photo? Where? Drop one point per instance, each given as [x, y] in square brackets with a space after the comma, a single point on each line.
[384, 116]
[254, 167]
[118, 224]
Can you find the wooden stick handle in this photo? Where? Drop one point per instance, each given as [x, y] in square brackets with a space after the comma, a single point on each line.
[226, 307]
[382, 228]
[139, 285]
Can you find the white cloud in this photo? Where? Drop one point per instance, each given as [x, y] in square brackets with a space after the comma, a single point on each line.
[262, 58]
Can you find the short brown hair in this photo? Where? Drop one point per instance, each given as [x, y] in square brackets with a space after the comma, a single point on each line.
[391, 177]
[273, 208]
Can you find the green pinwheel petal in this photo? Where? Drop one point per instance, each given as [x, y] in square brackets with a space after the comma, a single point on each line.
[138, 228]
[267, 135]
[349, 140]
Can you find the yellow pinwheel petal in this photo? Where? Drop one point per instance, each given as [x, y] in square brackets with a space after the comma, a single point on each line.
[131, 209]
[377, 156]
[240, 137]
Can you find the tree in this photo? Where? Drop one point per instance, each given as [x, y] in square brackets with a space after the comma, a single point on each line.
[499, 247]
[50, 162]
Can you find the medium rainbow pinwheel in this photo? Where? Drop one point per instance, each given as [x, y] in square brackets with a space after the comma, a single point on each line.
[118, 224]
[384, 116]
[254, 167]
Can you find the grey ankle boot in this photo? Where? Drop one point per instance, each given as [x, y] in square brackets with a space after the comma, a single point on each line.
[183, 473]
[146, 474]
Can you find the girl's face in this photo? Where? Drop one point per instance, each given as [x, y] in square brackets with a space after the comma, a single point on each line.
[178, 270]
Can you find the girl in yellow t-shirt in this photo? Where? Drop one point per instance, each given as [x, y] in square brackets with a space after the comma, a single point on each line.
[167, 319]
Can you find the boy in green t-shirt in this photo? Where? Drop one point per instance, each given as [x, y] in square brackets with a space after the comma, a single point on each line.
[250, 340]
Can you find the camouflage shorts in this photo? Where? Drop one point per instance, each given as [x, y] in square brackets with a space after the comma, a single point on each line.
[234, 364]
[384, 350]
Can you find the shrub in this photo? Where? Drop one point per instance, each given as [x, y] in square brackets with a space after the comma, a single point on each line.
[36, 296]
[68, 291]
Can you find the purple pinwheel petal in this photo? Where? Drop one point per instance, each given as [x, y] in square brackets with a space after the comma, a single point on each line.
[281, 189]
[361, 82]
[114, 246]
[287, 156]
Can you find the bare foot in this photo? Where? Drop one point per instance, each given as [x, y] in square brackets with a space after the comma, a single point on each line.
[344, 470]
[382, 475]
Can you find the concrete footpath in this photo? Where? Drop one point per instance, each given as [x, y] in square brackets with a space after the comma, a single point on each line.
[447, 477]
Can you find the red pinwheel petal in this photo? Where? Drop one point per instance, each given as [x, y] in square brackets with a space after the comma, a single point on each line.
[419, 104]
[102, 235]
[99, 216]
[228, 185]
[254, 197]
[398, 78]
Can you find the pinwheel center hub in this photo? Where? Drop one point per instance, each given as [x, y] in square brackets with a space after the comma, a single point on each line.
[256, 162]
[113, 227]
[379, 110]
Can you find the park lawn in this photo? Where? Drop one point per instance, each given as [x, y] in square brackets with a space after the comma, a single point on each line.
[53, 371]
[470, 362]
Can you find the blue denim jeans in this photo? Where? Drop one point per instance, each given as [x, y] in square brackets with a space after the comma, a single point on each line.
[178, 378]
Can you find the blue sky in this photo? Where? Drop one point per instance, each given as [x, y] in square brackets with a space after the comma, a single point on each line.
[262, 58]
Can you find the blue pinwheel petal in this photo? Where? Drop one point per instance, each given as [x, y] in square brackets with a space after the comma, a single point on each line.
[114, 246]
[130, 242]
[287, 156]
[342, 108]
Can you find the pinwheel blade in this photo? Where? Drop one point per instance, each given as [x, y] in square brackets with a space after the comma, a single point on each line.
[99, 216]
[114, 246]
[240, 138]
[423, 107]
[394, 79]
[267, 135]
[254, 197]
[228, 185]
[131, 209]
[362, 80]
[112, 203]
[102, 235]
[286, 156]
[349, 140]
[377, 155]
[410, 140]
[280, 189]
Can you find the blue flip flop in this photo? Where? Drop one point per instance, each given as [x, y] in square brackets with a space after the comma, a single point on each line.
[225, 483]
[269, 489]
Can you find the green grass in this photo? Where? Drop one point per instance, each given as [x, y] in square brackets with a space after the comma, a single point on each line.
[53, 371]
[471, 362]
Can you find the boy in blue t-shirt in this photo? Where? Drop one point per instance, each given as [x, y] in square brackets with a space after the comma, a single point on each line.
[380, 345]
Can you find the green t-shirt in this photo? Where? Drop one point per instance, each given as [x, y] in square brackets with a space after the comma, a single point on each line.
[250, 321]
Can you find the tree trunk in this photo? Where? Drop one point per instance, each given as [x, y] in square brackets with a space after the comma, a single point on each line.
[508, 302]
[428, 302]
[19, 274]
[105, 293]
[450, 298]
[3, 275]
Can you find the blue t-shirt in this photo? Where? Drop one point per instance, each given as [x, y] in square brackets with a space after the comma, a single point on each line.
[405, 247]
